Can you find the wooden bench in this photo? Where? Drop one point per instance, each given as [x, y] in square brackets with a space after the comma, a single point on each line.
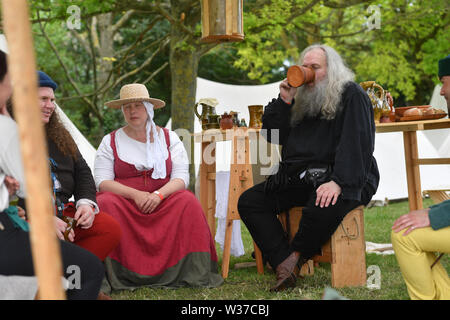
[346, 250]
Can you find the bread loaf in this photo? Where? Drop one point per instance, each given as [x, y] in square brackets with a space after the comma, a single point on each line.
[429, 111]
[412, 112]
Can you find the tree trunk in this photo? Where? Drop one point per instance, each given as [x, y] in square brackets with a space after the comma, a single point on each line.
[184, 60]
[184, 65]
[105, 47]
[102, 37]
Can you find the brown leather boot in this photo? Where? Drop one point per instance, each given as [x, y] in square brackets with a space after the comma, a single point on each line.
[285, 273]
[103, 296]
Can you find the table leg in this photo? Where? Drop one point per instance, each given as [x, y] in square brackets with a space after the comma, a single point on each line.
[241, 178]
[412, 170]
[208, 184]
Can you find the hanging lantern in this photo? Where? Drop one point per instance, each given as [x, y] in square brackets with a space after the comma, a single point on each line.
[222, 20]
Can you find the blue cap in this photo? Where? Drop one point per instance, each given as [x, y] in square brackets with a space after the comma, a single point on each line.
[444, 67]
[46, 81]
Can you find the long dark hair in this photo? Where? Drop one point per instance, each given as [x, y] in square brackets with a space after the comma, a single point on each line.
[3, 65]
[56, 132]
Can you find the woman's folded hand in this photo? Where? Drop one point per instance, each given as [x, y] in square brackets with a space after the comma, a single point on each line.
[146, 201]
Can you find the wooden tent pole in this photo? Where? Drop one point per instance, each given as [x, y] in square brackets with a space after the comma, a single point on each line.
[22, 68]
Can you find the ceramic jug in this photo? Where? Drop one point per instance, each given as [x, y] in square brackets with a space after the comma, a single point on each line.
[226, 121]
[208, 109]
[213, 121]
[256, 112]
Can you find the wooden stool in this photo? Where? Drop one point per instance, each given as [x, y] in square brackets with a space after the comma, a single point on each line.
[437, 195]
[346, 250]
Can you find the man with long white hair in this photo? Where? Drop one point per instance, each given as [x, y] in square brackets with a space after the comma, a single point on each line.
[327, 132]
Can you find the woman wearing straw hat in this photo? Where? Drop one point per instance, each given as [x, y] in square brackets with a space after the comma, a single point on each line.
[141, 171]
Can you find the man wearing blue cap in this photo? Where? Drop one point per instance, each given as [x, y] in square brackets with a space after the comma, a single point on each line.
[61, 144]
[416, 236]
[95, 231]
[46, 94]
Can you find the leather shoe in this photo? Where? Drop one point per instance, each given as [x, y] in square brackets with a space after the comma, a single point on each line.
[285, 273]
[103, 296]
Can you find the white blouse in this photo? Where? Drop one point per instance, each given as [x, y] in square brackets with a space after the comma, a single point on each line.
[134, 152]
[10, 159]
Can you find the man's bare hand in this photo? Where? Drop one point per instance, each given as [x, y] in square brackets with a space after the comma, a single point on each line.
[12, 185]
[85, 216]
[61, 227]
[287, 93]
[21, 213]
[327, 193]
[413, 220]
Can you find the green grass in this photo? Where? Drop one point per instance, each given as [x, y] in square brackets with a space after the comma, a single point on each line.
[247, 284]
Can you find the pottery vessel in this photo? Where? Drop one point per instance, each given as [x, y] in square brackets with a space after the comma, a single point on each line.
[256, 112]
[226, 121]
[299, 75]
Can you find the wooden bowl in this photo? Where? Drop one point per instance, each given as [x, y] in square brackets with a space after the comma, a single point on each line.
[400, 111]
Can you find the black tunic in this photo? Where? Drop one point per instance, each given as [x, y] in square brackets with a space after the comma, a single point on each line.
[75, 176]
[347, 142]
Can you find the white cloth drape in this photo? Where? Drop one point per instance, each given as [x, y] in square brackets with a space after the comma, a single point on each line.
[222, 188]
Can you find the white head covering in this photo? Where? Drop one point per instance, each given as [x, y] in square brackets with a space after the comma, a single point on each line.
[4, 193]
[3, 44]
[157, 153]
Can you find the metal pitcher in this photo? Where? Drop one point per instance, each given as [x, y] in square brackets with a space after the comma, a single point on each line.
[376, 94]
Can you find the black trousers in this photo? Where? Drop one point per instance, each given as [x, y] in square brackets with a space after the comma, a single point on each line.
[16, 259]
[259, 213]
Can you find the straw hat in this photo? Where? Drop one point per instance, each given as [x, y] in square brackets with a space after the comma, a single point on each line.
[135, 92]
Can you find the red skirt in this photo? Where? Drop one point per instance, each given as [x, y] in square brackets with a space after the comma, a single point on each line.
[171, 247]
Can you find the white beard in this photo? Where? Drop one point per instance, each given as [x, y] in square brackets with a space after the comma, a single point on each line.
[309, 101]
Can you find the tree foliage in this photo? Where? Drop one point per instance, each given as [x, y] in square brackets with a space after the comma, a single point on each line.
[401, 53]
[157, 42]
[116, 42]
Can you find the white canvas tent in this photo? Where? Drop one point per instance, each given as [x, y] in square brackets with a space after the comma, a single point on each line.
[85, 147]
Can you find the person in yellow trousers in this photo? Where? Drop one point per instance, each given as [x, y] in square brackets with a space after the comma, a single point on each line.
[418, 235]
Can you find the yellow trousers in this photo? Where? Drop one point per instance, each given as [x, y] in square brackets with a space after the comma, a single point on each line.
[415, 254]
